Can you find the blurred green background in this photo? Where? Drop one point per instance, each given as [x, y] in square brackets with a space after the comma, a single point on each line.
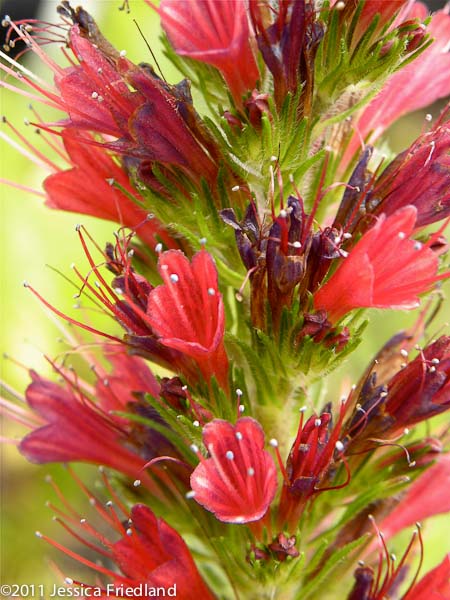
[32, 237]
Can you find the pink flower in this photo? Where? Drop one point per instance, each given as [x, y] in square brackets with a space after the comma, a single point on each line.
[238, 482]
[216, 33]
[75, 429]
[68, 425]
[419, 84]
[187, 311]
[385, 269]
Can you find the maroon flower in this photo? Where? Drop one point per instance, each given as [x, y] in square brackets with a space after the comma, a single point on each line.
[216, 33]
[419, 176]
[385, 269]
[187, 312]
[238, 481]
[418, 391]
[288, 37]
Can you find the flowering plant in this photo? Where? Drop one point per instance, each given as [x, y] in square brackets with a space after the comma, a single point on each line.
[254, 233]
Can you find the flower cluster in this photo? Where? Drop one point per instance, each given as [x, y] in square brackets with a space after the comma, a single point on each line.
[254, 235]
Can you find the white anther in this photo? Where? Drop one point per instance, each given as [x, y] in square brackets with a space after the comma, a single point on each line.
[211, 292]
[189, 495]
[339, 446]
[250, 471]
[317, 422]
[196, 423]
[194, 448]
[239, 435]
[274, 443]
[94, 95]
[136, 482]
[229, 455]
[174, 278]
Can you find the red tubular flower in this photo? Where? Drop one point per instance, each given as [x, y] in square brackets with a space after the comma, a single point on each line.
[156, 554]
[88, 188]
[187, 311]
[308, 462]
[417, 85]
[419, 176]
[385, 269]
[216, 33]
[238, 482]
[427, 496]
[136, 113]
[149, 554]
[435, 585]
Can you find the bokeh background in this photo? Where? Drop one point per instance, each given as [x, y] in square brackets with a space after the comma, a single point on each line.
[33, 238]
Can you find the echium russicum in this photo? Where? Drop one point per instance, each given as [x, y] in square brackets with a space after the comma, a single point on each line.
[260, 216]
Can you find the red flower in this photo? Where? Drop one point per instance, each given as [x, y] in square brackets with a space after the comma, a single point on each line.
[426, 497]
[385, 269]
[435, 585]
[308, 462]
[187, 311]
[136, 113]
[238, 482]
[149, 553]
[87, 188]
[216, 33]
[156, 554]
[417, 85]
